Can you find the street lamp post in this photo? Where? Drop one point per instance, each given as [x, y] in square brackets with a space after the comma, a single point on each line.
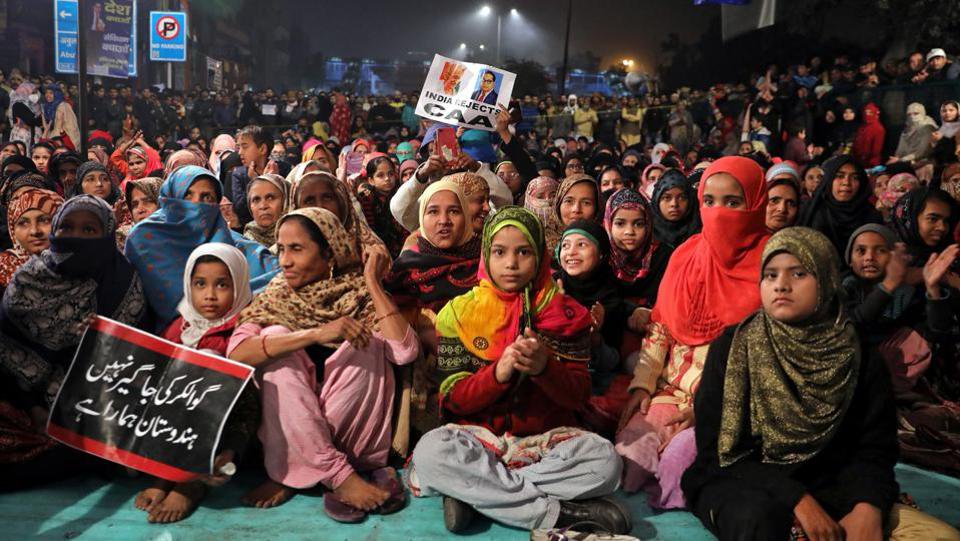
[487, 10]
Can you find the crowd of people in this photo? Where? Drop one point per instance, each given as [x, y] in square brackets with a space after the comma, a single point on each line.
[744, 301]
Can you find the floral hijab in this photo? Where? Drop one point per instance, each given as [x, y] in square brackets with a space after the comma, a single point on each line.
[635, 265]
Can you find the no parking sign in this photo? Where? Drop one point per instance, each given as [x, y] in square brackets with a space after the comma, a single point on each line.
[168, 36]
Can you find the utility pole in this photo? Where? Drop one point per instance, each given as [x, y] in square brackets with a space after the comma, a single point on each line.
[566, 51]
[499, 22]
[82, 72]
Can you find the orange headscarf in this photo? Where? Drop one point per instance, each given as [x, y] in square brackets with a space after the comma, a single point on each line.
[712, 279]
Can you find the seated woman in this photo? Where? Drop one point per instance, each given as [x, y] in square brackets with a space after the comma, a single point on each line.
[841, 202]
[142, 198]
[323, 337]
[189, 215]
[896, 186]
[539, 197]
[794, 423]
[135, 159]
[649, 177]
[45, 310]
[216, 287]
[268, 198]
[709, 284]
[28, 220]
[93, 179]
[583, 255]
[676, 215]
[512, 358]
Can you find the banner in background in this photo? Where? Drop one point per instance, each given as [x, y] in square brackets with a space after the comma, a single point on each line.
[108, 37]
[149, 404]
[465, 93]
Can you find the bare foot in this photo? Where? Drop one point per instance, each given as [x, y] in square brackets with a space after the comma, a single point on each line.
[179, 503]
[268, 494]
[149, 498]
[360, 494]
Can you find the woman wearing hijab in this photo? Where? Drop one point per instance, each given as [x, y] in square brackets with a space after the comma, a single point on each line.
[216, 287]
[51, 296]
[914, 144]
[514, 453]
[676, 215]
[540, 196]
[188, 216]
[63, 171]
[268, 198]
[135, 159]
[578, 198]
[28, 220]
[895, 188]
[323, 336]
[841, 203]
[705, 289]
[649, 177]
[944, 140]
[310, 186]
[58, 116]
[794, 423]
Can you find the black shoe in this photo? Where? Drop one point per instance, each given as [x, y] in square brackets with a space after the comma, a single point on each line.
[606, 514]
[457, 515]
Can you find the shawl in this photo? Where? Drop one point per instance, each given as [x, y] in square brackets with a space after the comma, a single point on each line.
[53, 293]
[323, 301]
[481, 323]
[834, 219]
[194, 324]
[788, 386]
[159, 245]
[897, 186]
[635, 265]
[673, 234]
[350, 213]
[710, 281]
[427, 276]
[267, 236]
[540, 195]
[31, 199]
[947, 183]
[647, 186]
[50, 107]
[183, 157]
[905, 220]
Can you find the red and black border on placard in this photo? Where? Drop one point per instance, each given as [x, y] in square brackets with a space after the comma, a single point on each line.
[163, 347]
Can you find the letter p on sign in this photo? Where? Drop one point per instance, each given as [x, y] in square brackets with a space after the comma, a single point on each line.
[168, 28]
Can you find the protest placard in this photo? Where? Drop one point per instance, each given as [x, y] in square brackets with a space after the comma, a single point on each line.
[149, 404]
[465, 93]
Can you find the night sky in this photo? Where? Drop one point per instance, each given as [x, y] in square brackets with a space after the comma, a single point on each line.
[612, 29]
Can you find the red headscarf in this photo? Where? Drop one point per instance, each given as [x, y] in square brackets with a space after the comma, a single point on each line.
[712, 279]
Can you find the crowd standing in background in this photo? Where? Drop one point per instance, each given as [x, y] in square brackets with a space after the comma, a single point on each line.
[743, 301]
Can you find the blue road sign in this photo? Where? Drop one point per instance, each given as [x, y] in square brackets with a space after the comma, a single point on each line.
[65, 25]
[65, 29]
[168, 36]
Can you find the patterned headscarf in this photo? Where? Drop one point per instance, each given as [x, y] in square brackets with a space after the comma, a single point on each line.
[952, 187]
[635, 265]
[267, 236]
[770, 359]
[150, 186]
[540, 196]
[344, 293]
[350, 213]
[31, 199]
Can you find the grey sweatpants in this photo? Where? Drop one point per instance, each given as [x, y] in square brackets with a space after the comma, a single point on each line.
[454, 463]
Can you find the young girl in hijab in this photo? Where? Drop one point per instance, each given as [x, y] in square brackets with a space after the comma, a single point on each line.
[944, 140]
[323, 336]
[578, 198]
[189, 215]
[28, 220]
[637, 258]
[770, 457]
[216, 287]
[676, 216]
[380, 182]
[512, 359]
[268, 198]
[841, 203]
[704, 290]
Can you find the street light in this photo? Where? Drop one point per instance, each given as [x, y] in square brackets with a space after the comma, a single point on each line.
[627, 63]
[481, 47]
[463, 46]
[485, 11]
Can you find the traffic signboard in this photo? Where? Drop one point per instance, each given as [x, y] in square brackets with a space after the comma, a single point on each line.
[65, 26]
[168, 36]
